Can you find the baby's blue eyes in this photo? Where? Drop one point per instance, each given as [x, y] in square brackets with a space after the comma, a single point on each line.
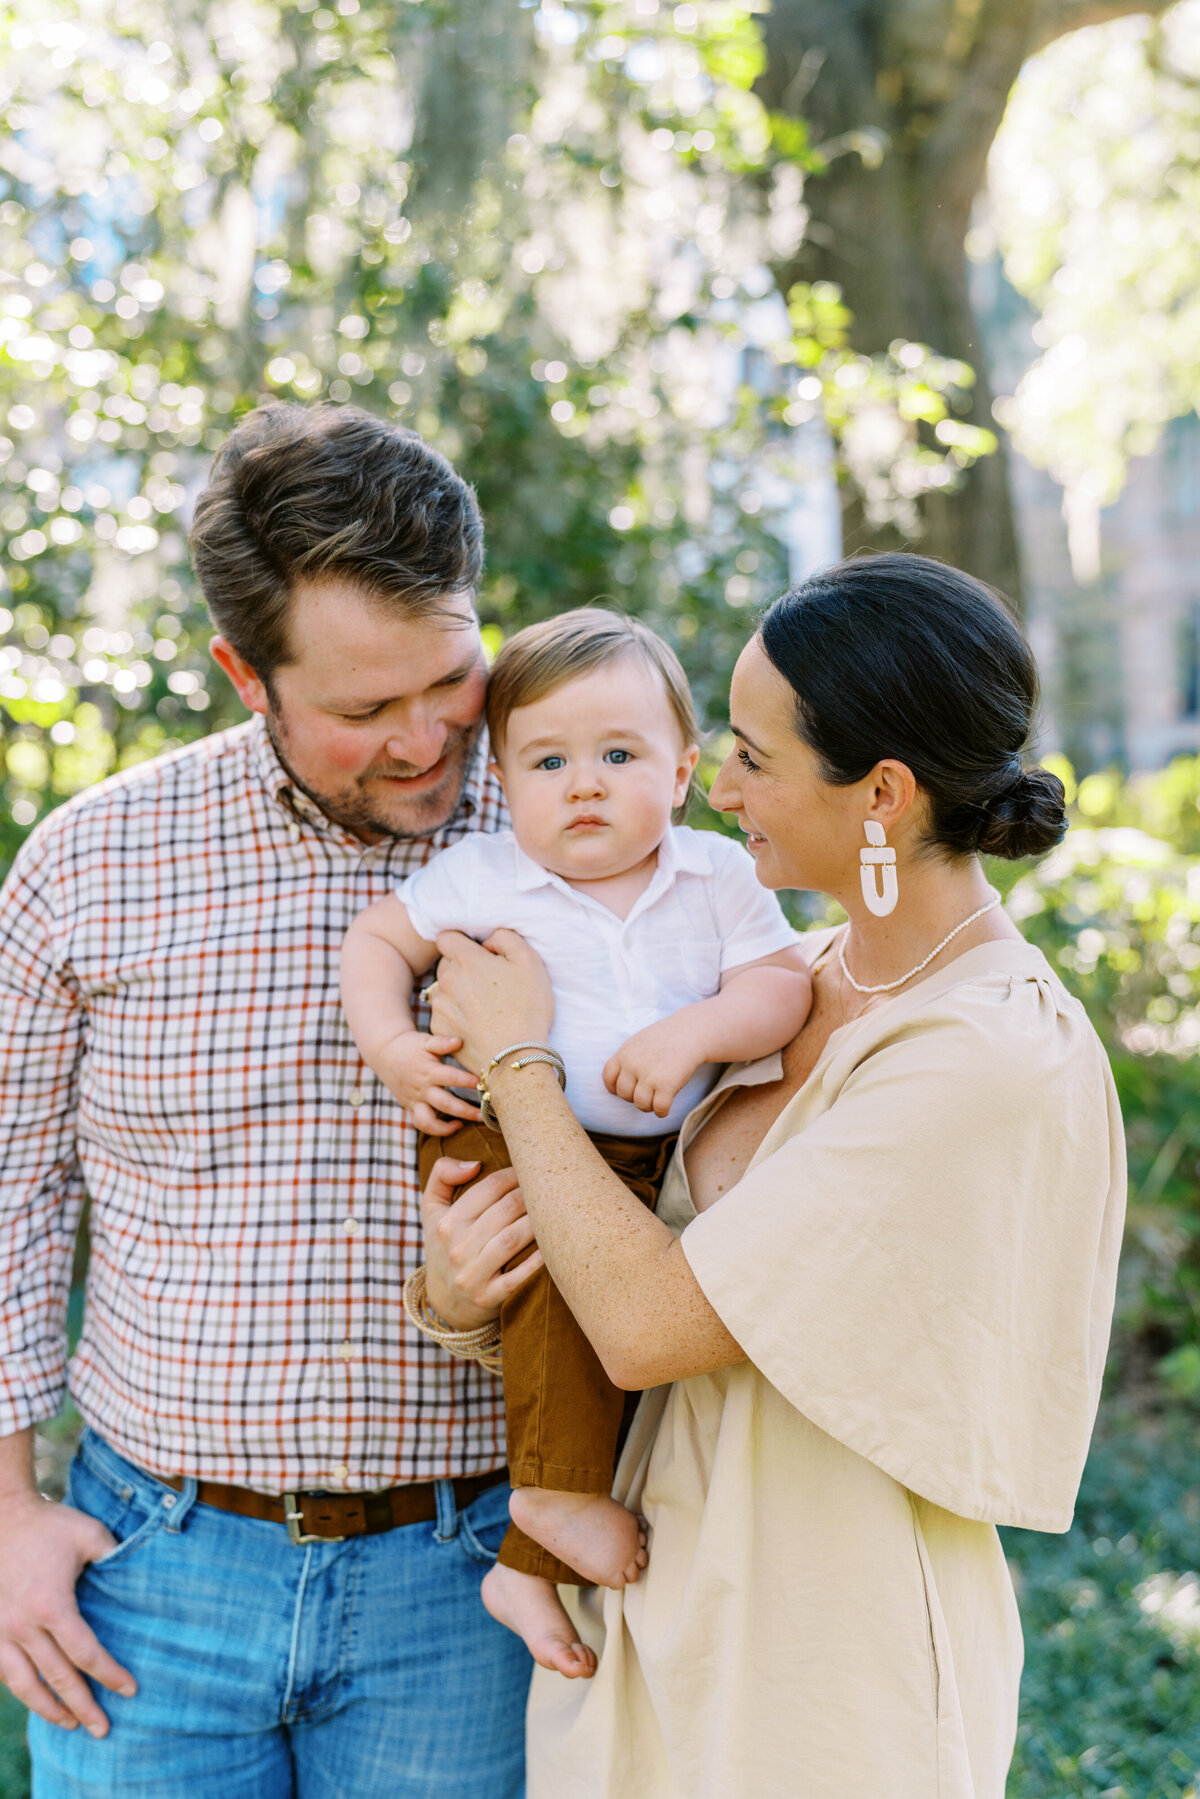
[553, 763]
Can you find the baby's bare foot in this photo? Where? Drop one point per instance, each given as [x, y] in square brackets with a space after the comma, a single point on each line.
[534, 1610]
[594, 1535]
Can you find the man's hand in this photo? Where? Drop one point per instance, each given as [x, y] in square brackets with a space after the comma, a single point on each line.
[412, 1070]
[45, 1646]
[468, 1241]
[653, 1065]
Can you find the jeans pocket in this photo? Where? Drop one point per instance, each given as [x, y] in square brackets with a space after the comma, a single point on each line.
[482, 1526]
[149, 1527]
[128, 1511]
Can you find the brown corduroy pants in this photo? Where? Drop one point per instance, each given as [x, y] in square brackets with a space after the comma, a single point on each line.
[563, 1416]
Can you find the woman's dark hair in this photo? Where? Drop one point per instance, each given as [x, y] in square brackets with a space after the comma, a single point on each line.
[900, 656]
[299, 492]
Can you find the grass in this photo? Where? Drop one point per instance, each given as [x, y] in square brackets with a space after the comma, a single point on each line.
[1110, 1705]
[1110, 1702]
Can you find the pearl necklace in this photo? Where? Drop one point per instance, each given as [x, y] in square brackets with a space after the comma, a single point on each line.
[890, 986]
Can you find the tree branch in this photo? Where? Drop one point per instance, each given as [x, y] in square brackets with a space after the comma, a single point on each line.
[954, 156]
[1055, 18]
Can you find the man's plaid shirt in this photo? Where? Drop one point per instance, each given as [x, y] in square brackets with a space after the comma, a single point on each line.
[172, 1044]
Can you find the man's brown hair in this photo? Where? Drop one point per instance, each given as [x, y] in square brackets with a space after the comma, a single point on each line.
[299, 493]
[544, 657]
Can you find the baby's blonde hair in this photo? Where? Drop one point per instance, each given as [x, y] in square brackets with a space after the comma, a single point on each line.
[546, 656]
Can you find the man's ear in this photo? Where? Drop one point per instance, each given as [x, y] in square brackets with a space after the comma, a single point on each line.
[249, 688]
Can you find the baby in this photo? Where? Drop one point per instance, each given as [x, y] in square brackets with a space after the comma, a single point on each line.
[666, 958]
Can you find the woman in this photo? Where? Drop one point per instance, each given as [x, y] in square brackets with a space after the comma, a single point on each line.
[875, 1301]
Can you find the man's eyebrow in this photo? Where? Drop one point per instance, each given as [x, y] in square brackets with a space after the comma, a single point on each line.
[746, 738]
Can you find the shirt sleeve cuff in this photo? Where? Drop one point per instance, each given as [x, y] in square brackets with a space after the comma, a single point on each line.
[33, 1385]
[768, 943]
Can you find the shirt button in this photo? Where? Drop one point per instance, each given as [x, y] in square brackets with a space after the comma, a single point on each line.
[357, 1096]
[349, 1225]
[347, 1352]
[341, 1472]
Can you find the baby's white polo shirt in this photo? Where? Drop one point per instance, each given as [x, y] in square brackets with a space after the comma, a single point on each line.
[702, 914]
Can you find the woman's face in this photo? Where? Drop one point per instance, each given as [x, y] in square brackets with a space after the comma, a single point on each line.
[801, 830]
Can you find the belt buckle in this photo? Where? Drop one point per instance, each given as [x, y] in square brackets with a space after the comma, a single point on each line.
[294, 1518]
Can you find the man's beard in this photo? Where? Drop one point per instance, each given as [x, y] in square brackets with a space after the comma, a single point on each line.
[418, 816]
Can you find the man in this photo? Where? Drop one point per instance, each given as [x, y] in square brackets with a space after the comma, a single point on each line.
[171, 1043]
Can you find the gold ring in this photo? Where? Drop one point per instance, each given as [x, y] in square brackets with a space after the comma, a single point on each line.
[426, 991]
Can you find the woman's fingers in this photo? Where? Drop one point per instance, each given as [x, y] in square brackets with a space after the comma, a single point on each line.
[491, 995]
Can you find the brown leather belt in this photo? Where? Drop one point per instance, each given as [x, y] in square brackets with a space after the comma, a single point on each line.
[332, 1517]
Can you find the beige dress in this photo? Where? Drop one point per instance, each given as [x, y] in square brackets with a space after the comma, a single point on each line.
[919, 1263]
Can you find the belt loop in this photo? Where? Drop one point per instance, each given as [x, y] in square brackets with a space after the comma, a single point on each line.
[447, 1511]
[178, 1505]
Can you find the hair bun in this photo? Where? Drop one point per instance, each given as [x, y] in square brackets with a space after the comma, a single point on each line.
[1027, 818]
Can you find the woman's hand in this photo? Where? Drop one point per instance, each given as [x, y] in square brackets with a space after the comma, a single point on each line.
[469, 1240]
[490, 994]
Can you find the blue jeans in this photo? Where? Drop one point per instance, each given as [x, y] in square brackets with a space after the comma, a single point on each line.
[367, 1668]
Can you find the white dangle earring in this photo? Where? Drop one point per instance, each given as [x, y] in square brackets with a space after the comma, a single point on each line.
[878, 856]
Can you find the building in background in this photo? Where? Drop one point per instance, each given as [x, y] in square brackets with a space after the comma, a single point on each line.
[1113, 601]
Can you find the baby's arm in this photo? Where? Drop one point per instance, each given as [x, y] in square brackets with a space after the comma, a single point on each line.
[760, 1007]
[382, 957]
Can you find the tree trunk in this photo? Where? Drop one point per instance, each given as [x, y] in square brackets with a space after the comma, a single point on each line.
[906, 96]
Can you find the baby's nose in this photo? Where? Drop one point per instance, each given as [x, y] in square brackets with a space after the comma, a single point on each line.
[586, 779]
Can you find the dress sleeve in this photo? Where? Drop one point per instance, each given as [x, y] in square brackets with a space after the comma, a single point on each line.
[926, 1271]
[750, 919]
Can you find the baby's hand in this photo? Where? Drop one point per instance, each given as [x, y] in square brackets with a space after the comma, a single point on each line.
[653, 1065]
[413, 1072]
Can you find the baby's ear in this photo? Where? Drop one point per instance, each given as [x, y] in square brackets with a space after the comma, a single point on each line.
[495, 769]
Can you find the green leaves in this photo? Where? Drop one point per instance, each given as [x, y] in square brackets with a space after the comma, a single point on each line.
[1095, 186]
[1117, 910]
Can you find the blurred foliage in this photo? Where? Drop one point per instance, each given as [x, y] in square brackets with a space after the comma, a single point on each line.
[1095, 197]
[1116, 908]
[557, 274]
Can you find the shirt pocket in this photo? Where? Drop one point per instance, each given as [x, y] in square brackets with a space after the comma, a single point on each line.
[701, 958]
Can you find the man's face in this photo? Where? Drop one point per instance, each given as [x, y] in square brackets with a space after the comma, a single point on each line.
[376, 715]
